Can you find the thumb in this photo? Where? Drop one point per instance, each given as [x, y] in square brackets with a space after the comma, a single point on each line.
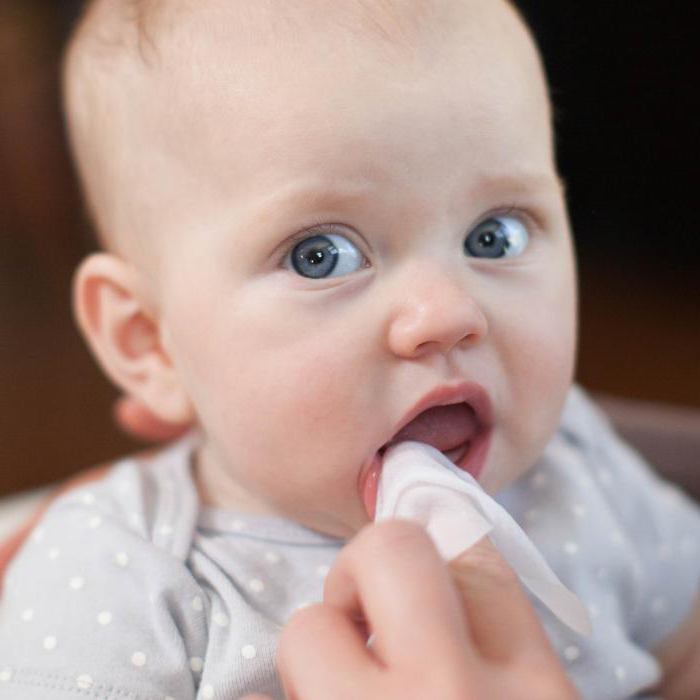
[499, 614]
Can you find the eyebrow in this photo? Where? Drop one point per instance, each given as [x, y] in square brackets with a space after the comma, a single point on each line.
[309, 194]
[525, 181]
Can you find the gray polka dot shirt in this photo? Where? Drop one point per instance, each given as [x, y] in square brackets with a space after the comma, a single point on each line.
[129, 589]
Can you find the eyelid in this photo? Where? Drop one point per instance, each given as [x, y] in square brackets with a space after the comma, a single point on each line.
[317, 229]
[537, 219]
[514, 212]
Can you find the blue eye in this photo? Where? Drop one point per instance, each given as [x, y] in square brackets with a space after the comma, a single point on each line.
[316, 257]
[497, 237]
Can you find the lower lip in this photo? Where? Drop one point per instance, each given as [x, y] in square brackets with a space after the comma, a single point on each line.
[472, 462]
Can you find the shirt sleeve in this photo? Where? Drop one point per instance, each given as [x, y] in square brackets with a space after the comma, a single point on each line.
[660, 521]
[93, 609]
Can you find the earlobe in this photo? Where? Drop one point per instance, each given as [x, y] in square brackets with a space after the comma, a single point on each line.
[118, 319]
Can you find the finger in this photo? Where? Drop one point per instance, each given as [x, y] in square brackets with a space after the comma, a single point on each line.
[501, 619]
[256, 697]
[134, 418]
[392, 575]
[322, 654]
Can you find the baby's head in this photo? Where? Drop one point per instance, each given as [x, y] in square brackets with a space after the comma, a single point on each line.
[315, 214]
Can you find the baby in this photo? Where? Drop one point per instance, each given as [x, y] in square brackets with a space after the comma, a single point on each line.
[324, 223]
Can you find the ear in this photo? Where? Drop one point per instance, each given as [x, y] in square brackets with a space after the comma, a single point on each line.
[116, 316]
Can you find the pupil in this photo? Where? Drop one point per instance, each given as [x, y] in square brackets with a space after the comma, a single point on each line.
[316, 257]
[487, 239]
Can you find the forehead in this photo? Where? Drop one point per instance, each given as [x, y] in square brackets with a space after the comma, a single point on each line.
[412, 33]
[256, 79]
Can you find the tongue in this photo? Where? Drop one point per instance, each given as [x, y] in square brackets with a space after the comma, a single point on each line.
[443, 427]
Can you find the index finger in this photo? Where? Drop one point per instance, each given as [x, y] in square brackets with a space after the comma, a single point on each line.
[392, 575]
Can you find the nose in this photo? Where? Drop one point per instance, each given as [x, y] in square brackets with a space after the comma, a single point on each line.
[434, 313]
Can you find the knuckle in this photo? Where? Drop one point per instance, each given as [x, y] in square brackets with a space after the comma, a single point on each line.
[544, 679]
[486, 563]
[419, 686]
[310, 617]
[302, 628]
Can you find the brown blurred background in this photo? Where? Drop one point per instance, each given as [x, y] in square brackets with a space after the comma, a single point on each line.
[628, 138]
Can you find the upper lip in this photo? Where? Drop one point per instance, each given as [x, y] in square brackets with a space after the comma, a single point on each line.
[468, 392]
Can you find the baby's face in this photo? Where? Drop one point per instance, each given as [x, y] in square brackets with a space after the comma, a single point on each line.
[351, 224]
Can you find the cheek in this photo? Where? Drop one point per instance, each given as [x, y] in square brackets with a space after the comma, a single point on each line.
[538, 353]
[273, 388]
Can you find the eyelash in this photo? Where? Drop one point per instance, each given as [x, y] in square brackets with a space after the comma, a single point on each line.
[320, 228]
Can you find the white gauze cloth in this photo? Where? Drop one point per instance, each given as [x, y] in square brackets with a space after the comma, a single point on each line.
[419, 483]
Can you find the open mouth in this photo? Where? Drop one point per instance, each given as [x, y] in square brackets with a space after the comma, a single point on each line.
[461, 431]
[449, 428]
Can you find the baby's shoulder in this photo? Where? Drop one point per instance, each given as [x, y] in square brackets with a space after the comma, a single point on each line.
[587, 453]
[102, 595]
[151, 499]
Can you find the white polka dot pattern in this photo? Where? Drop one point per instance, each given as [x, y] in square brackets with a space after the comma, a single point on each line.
[249, 651]
[121, 559]
[571, 547]
[533, 514]
[658, 605]
[256, 585]
[578, 510]
[572, 652]
[241, 577]
[221, 620]
[104, 618]
[84, 682]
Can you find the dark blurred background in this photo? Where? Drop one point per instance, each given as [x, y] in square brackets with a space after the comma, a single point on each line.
[624, 82]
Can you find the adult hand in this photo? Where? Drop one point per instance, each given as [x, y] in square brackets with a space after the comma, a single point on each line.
[460, 632]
